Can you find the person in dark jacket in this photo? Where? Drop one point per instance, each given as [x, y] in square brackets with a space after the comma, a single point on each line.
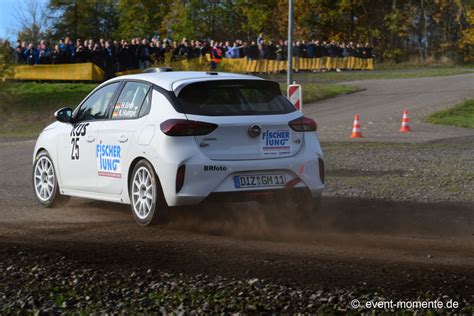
[31, 55]
[109, 60]
[80, 55]
[271, 51]
[123, 57]
[143, 54]
[44, 53]
[56, 55]
[97, 55]
[18, 56]
[185, 51]
[133, 53]
[252, 51]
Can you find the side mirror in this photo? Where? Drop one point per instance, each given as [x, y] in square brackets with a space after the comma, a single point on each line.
[63, 115]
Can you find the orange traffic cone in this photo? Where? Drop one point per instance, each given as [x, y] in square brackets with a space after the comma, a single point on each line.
[405, 120]
[356, 133]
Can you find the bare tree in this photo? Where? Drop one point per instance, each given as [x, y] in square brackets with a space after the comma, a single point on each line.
[31, 20]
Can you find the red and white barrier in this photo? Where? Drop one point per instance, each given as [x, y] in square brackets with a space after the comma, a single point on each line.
[295, 95]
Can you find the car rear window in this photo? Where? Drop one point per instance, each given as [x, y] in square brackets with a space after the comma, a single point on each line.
[233, 97]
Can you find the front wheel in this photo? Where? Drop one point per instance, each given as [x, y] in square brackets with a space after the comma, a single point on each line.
[45, 182]
[146, 196]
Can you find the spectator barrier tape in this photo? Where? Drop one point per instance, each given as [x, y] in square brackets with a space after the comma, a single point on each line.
[63, 72]
[92, 72]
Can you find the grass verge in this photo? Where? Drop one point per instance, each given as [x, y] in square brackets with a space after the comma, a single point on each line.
[26, 108]
[313, 92]
[461, 115]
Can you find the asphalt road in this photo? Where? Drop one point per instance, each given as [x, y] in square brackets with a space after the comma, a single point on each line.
[381, 106]
[383, 246]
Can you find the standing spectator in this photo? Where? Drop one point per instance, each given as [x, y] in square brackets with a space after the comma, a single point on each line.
[31, 55]
[198, 49]
[216, 56]
[44, 53]
[144, 55]
[160, 53]
[252, 52]
[262, 51]
[109, 60]
[56, 55]
[80, 55]
[71, 50]
[87, 51]
[18, 53]
[185, 50]
[318, 55]
[271, 51]
[133, 54]
[229, 52]
[97, 55]
[123, 57]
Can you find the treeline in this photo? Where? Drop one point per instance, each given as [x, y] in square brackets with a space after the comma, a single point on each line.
[397, 29]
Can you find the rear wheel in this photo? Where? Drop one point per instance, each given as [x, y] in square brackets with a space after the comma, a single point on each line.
[45, 182]
[146, 196]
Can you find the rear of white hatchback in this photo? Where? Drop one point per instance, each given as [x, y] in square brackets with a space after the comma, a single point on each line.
[237, 139]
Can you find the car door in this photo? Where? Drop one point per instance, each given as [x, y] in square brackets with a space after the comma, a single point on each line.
[77, 144]
[119, 133]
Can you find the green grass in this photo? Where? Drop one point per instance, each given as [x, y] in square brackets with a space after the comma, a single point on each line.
[313, 92]
[461, 115]
[26, 108]
[373, 75]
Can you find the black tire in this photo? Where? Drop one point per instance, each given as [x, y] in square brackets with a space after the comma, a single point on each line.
[155, 211]
[48, 195]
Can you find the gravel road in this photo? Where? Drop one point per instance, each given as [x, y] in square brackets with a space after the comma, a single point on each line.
[381, 105]
[397, 223]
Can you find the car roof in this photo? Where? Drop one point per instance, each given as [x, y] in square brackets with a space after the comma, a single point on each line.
[176, 80]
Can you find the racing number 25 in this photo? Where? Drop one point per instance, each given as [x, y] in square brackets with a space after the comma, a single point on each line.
[77, 130]
[75, 148]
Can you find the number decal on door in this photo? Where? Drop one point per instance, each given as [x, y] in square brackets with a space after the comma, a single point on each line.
[75, 148]
[77, 130]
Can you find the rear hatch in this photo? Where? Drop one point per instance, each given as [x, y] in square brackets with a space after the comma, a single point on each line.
[252, 118]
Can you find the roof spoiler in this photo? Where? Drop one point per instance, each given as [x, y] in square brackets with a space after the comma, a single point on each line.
[157, 69]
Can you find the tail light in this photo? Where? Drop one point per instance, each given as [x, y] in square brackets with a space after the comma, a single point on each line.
[180, 178]
[321, 170]
[178, 127]
[303, 124]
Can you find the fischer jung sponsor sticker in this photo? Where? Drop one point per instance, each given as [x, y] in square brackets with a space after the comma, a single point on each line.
[108, 160]
[276, 142]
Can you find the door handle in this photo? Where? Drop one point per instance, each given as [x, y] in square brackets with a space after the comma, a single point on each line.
[123, 139]
[90, 139]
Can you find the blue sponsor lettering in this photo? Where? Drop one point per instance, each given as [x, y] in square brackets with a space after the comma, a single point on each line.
[275, 138]
[108, 157]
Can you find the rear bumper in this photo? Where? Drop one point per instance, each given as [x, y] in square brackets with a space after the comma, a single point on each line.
[250, 195]
[211, 178]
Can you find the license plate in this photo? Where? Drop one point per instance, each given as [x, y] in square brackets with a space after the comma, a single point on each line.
[262, 180]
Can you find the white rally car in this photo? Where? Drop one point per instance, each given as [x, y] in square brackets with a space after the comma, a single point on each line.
[163, 139]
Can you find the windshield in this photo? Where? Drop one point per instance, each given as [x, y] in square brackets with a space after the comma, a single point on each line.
[233, 97]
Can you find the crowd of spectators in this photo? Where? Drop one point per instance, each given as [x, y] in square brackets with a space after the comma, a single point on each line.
[115, 56]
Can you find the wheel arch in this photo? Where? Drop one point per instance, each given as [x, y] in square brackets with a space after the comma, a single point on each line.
[39, 150]
[132, 166]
